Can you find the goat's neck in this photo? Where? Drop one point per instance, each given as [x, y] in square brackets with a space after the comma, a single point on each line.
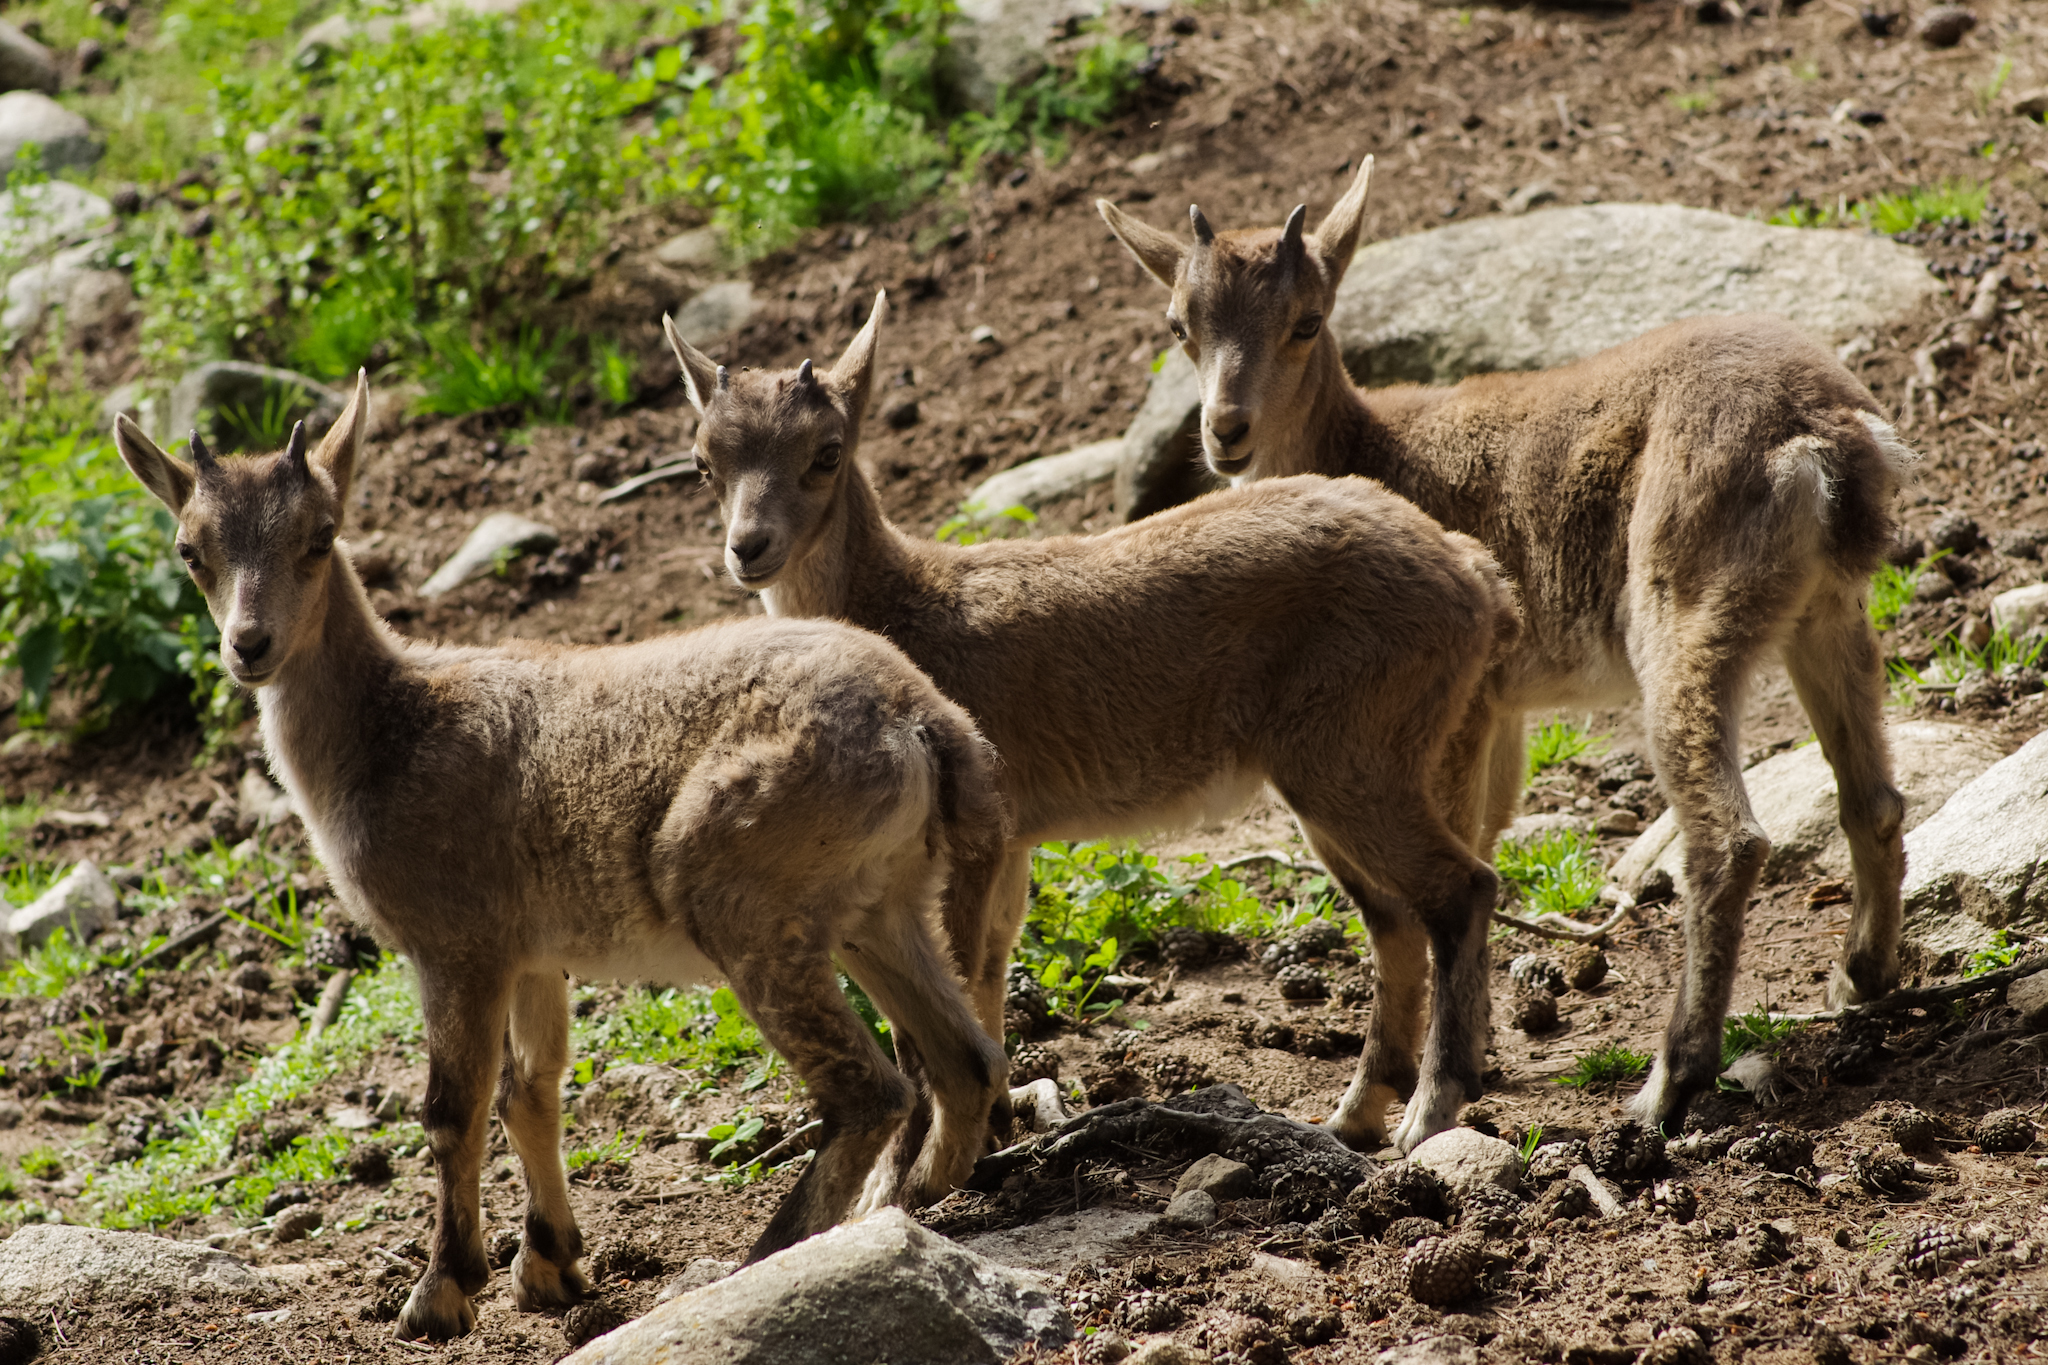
[860, 569]
[1349, 430]
[328, 694]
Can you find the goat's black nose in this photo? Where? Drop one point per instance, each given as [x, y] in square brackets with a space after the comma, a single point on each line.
[251, 648]
[748, 550]
[1232, 435]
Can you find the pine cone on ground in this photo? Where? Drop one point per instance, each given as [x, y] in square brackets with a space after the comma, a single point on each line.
[1443, 1270]
[1565, 1200]
[1353, 991]
[1677, 1346]
[1676, 1200]
[1536, 972]
[1034, 1063]
[590, 1320]
[1913, 1129]
[1122, 1044]
[2005, 1130]
[1534, 1010]
[1490, 1211]
[1554, 1160]
[1766, 1246]
[1882, 1171]
[1147, 1311]
[1931, 1248]
[1174, 1073]
[1301, 1189]
[1401, 1191]
[1626, 1151]
[1586, 966]
[1105, 1348]
[1185, 947]
[1026, 1011]
[1241, 1340]
[1775, 1149]
[1406, 1232]
[1299, 981]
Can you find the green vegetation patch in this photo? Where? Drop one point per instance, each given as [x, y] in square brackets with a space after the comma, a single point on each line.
[1559, 871]
[1557, 742]
[1606, 1068]
[1755, 1031]
[1952, 201]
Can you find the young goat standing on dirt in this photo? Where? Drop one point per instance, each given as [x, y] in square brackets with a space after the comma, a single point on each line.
[1319, 635]
[745, 800]
[1673, 511]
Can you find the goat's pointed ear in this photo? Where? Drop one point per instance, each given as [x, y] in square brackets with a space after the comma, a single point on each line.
[1158, 251]
[701, 378]
[334, 462]
[170, 480]
[1337, 238]
[854, 375]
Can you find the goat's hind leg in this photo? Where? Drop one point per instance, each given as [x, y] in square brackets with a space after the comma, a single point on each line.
[1387, 1068]
[465, 1026]
[545, 1273]
[793, 997]
[1837, 667]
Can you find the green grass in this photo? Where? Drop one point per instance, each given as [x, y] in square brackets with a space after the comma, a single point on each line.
[1531, 1140]
[692, 1029]
[1693, 102]
[1606, 1068]
[180, 1177]
[1960, 200]
[1891, 588]
[619, 1147]
[10, 1186]
[513, 373]
[42, 1163]
[1954, 661]
[1755, 1031]
[1559, 871]
[1557, 742]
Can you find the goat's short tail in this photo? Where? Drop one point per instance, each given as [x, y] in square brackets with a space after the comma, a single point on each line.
[969, 819]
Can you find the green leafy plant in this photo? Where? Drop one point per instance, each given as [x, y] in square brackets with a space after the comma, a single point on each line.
[42, 1163]
[506, 373]
[1559, 741]
[44, 971]
[2001, 952]
[1558, 871]
[1960, 200]
[702, 1030]
[1606, 1068]
[611, 374]
[619, 1147]
[1755, 1031]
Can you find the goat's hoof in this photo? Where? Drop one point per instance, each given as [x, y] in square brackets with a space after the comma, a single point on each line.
[1843, 991]
[1359, 1136]
[539, 1284]
[437, 1311]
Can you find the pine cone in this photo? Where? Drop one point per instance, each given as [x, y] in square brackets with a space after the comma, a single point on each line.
[1406, 1232]
[1034, 1063]
[1554, 1160]
[1026, 1010]
[1146, 1311]
[1929, 1249]
[1535, 1010]
[1353, 991]
[1174, 1073]
[1301, 1189]
[1490, 1211]
[1085, 1306]
[1766, 1246]
[326, 947]
[1586, 966]
[1627, 1151]
[2005, 1130]
[1105, 1348]
[590, 1320]
[1774, 1149]
[1443, 1270]
[1913, 1129]
[1677, 1346]
[1402, 1191]
[1301, 982]
[1883, 1171]
[1122, 1044]
[1239, 1337]
[1565, 1200]
[1318, 938]
[1537, 973]
[1676, 1200]
[1185, 947]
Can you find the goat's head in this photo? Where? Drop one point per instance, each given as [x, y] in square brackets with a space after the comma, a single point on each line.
[1250, 308]
[776, 446]
[257, 532]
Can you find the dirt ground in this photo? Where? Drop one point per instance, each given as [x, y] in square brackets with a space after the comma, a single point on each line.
[1249, 110]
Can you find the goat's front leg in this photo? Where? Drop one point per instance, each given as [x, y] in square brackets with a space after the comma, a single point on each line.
[465, 1024]
[545, 1273]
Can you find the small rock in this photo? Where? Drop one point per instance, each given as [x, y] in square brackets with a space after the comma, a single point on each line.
[1192, 1209]
[698, 249]
[29, 116]
[902, 415]
[1944, 26]
[592, 468]
[499, 533]
[46, 1264]
[1217, 1176]
[297, 1223]
[2028, 997]
[1449, 1350]
[1167, 1352]
[1619, 822]
[83, 903]
[716, 311]
[1586, 966]
[25, 64]
[1466, 1160]
[983, 335]
[700, 1272]
[2018, 610]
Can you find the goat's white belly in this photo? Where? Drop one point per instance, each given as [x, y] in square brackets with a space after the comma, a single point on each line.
[670, 960]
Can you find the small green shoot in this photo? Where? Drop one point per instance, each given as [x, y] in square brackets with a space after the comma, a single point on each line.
[972, 530]
[1693, 102]
[1607, 1068]
[42, 1163]
[1558, 742]
[1755, 1031]
[1987, 93]
[1558, 871]
[619, 1147]
[10, 1188]
[611, 374]
[1960, 200]
[1891, 588]
[1531, 1140]
[2001, 952]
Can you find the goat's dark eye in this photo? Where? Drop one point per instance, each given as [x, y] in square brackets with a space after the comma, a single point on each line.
[1306, 329]
[829, 457]
[188, 554]
[323, 543]
[1179, 331]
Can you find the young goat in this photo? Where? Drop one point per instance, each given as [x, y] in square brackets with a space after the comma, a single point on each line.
[1320, 635]
[745, 800]
[1673, 511]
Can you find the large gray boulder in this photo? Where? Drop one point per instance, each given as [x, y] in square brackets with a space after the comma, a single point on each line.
[1162, 459]
[880, 1289]
[29, 116]
[1047, 479]
[25, 64]
[1980, 863]
[1545, 289]
[715, 311]
[221, 393]
[1793, 795]
[999, 43]
[47, 1264]
[35, 290]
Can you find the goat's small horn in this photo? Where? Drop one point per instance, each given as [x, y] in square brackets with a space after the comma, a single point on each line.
[1290, 236]
[804, 375]
[295, 448]
[724, 379]
[1203, 232]
[201, 456]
